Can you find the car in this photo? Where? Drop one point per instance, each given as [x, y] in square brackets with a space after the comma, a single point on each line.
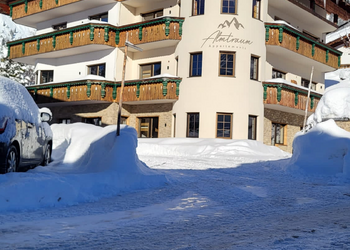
[25, 135]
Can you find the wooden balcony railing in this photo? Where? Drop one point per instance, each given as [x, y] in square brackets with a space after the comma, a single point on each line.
[150, 89]
[166, 28]
[290, 96]
[22, 8]
[293, 40]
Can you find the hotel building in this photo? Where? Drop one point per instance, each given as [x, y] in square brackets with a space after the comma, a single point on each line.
[235, 69]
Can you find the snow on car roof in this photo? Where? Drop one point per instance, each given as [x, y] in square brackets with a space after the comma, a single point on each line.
[17, 98]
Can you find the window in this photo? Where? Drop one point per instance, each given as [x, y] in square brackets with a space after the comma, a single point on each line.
[252, 121]
[65, 120]
[124, 120]
[254, 65]
[192, 125]
[100, 17]
[99, 70]
[59, 26]
[46, 76]
[278, 133]
[227, 62]
[148, 70]
[152, 15]
[305, 83]
[198, 7]
[95, 121]
[278, 74]
[312, 4]
[224, 125]
[256, 9]
[335, 19]
[196, 64]
[229, 6]
[148, 127]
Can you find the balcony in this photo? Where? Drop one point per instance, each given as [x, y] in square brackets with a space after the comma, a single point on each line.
[31, 12]
[156, 33]
[289, 97]
[151, 90]
[287, 42]
[314, 17]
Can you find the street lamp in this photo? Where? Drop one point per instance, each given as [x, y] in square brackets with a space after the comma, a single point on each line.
[127, 44]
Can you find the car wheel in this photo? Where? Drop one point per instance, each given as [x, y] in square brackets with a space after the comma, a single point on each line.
[12, 160]
[47, 155]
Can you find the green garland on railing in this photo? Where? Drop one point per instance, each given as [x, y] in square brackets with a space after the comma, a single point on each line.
[106, 36]
[296, 99]
[26, 6]
[267, 33]
[41, 4]
[68, 91]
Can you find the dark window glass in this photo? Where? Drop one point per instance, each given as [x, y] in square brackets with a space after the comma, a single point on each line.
[46, 76]
[252, 120]
[229, 6]
[278, 74]
[148, 127]
[196, 64]
[224, 125]
[256, 8]
[99, 70]
[254, 64]
[227, 62]
[198, 7]
[95, 121]
[149, 70]
[193, 125]
[277, 133]
[100, 17]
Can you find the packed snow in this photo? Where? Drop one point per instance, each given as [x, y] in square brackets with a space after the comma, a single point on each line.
[108, 192]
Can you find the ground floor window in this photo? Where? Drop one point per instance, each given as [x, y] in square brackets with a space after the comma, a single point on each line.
[252, 121]
[124, 120]
[65, 121]
[192, 125]
[95, 121]
[148, 127]
[224, 125]
[278, 132]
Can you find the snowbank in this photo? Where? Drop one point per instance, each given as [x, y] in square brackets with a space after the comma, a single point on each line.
[323, 150]
[242, 151]
[335, 103]
[89, 163]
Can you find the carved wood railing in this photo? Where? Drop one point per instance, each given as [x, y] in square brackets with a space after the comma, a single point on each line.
[166, 28]
[162, 88]
[289, 96]
[293, 40]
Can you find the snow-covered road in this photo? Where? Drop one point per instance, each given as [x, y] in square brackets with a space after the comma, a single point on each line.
[252, 206]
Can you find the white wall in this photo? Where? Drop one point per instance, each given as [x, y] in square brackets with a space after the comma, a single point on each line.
[212, 93]
[81, 18]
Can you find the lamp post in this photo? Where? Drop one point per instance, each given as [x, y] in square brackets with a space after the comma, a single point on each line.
[127, 44]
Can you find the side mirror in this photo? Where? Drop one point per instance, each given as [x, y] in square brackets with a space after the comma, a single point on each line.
[45, 114]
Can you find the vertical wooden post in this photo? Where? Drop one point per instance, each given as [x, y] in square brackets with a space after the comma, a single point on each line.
[122, 87]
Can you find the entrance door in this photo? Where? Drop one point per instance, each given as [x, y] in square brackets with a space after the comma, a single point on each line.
[148, 127]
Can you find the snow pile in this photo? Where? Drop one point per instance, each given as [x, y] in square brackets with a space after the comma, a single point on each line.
[334, 104]
[243, 151]
[323, 150]
[90, 163]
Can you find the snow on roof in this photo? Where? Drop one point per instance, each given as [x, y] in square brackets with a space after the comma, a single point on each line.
[340, 32]
[285, 23]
